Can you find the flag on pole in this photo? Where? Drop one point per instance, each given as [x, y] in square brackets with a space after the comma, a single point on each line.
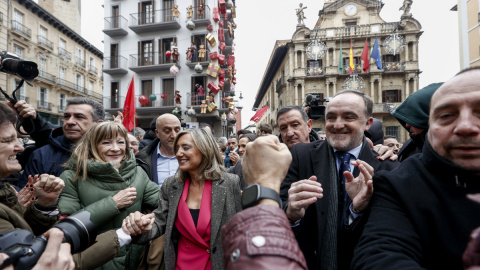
[340, 60]
[376, 54]
[259, 114]
[129, 112]
[365, 59]
[352, 66]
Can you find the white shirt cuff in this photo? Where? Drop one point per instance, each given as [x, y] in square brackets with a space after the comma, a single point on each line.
[123, 238]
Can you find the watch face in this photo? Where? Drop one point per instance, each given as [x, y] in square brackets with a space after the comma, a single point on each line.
[250, 195]
[351, 9]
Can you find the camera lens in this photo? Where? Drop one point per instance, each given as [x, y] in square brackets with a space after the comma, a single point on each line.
[25, 69]
[79, 231]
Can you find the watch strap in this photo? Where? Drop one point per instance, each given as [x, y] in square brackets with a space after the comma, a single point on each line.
[263, 193]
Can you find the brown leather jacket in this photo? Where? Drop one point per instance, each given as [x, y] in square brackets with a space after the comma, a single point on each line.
[260, 237]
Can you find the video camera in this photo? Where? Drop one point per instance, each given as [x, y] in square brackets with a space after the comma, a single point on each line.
[25, 249]
[12, 64]
[315, 102]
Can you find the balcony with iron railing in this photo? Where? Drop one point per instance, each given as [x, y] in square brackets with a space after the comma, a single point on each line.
[93, 69]
[46, 77]
[194, 99]
[115, 65]
[21, 29]
[66, 84]
[64, 53]
[115, 26]
[43, 41]
[315, 71]
[147, 62]
[43, 105]
[393, 66]
[201, 17]
[116, 103]
[158, 20]
[204, 61]
[80, 62]
[357, 70]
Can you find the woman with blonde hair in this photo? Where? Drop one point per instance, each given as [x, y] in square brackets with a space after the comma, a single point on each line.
[102, 178]
[194, 204]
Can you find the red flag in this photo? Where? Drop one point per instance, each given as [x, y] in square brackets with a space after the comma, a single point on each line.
[259, 114]
[365, 59]
[129, 112]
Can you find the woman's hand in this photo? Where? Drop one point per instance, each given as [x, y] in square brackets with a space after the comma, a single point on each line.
[27, 194]
[48, 188]
[125, 198]
[138, 223]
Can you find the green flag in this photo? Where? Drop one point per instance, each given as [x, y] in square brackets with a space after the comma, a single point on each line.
[340, 60]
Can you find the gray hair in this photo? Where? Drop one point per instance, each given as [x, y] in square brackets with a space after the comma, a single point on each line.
[293, 107]
[98, 112]
[138, 131]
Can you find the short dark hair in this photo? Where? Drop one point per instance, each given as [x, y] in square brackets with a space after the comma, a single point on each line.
[293, 107]
[265, 128]
[389, 137]
[98, 112]
[366, 99]
[243, 131]
[233, 137]
[7, 115]
[251, 136]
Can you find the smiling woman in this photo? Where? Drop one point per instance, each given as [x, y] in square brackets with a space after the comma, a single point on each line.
[194, 204]
[102, 178]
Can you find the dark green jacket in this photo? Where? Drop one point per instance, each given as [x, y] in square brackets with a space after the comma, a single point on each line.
[95, 195]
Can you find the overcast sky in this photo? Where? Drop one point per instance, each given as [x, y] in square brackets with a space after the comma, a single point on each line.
[261, 23]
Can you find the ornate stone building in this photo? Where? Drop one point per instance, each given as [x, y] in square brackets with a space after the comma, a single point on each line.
[68, 64]
[311, 62]
[469, 29]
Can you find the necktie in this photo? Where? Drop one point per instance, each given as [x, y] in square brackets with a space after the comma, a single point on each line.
[344, 159]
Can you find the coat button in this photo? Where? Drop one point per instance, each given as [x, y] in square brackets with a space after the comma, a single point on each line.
[235, 255]
[259, 241]
[208, 251]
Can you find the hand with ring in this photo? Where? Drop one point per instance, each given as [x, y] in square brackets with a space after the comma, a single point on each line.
[137, 223]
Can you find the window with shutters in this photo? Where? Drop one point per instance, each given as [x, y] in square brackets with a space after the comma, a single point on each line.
[167, 10]
[145, 54]
[196, 97]
[115, 95]
[391, 131]
[165, 45]
[147, 91]
[168, 88]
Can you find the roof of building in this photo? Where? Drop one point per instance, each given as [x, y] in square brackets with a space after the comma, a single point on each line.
[52, 20]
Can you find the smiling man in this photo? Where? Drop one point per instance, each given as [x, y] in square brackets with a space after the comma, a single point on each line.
[79, 116]
[421, 217]
[295, 127]
[326, 208]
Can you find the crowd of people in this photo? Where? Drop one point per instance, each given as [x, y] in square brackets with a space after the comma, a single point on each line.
[347, 197]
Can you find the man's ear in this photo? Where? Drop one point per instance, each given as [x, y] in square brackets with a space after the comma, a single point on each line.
[369, 123]
[309, 125]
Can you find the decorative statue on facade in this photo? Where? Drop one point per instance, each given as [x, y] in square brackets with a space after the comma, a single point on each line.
[300, 15]
[407, 5]
[201, 52]
[200, 11]
[175, 12]
[189, 12]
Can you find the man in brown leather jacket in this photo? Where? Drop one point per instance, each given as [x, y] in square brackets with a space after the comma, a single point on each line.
[269, 240]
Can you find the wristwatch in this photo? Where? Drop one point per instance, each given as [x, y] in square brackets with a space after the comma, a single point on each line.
[254, 193]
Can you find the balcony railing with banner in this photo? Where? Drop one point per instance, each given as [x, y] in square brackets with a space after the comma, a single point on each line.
[358, 69]
[315, 71]
[355, 30]
[64, 53]
[394, 66]
[43, 105]
[45, 42]
[22, 29]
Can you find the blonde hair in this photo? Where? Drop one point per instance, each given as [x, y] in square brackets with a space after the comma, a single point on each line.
[211, 167]
[87, 147]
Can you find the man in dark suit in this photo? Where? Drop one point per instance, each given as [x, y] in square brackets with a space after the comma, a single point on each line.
[422, 217]
[325, 204]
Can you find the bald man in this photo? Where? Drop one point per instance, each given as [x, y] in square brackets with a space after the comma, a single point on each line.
[421, 217]
[158, 158]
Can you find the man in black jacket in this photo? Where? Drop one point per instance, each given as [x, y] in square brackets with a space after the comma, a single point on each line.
[327, 212]
[421, 217]
[158, 159]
